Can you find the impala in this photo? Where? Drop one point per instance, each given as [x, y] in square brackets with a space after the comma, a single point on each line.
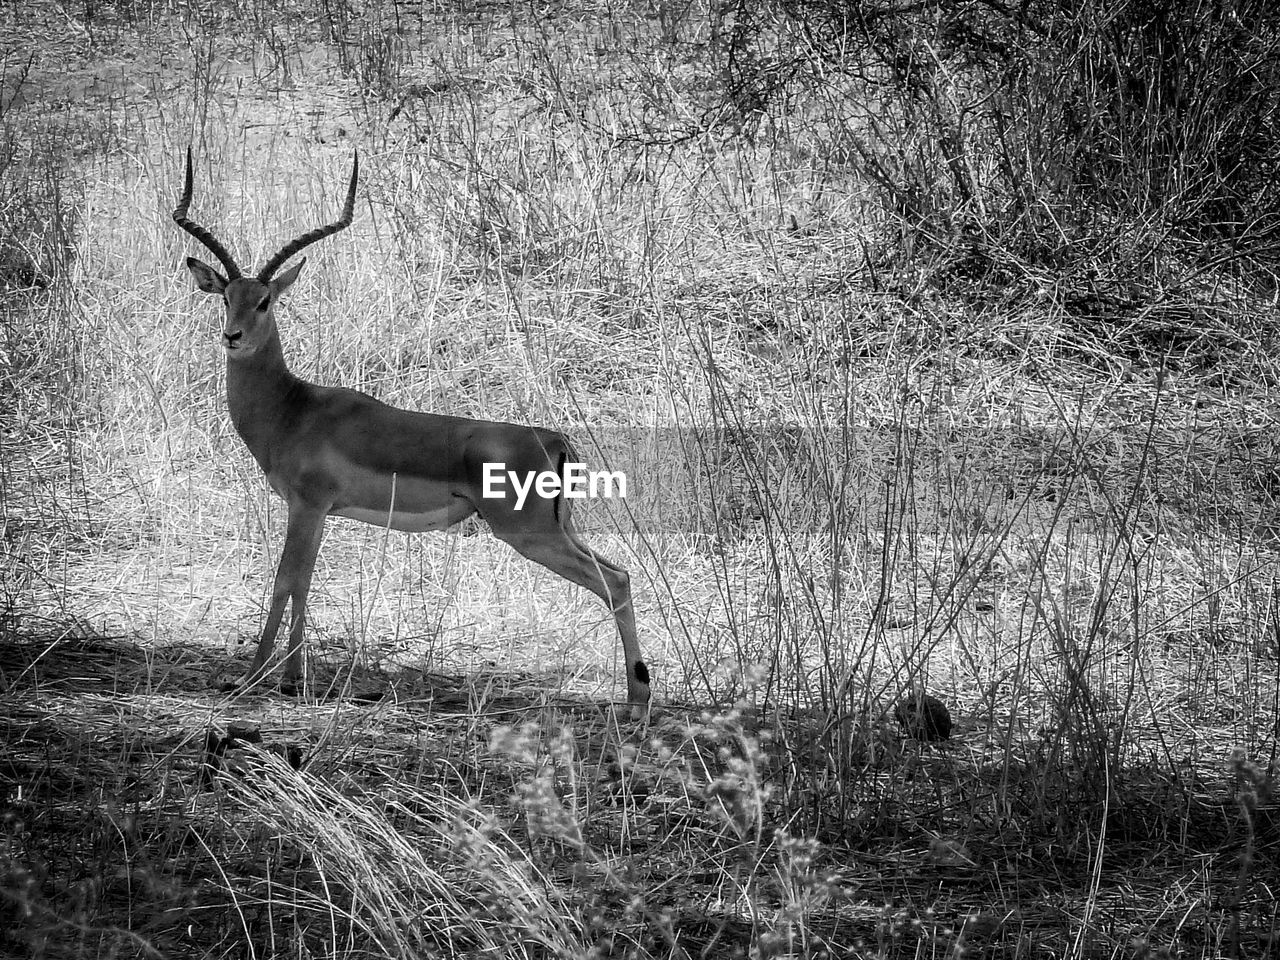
[330, 451]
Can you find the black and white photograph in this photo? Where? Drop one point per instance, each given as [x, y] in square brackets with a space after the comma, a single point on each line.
[655, 479]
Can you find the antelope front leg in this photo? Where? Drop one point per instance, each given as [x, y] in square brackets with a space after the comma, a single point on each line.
[293, 582]
[306, 529]
[279, 597]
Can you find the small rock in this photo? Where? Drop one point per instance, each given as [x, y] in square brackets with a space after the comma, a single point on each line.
[924, 717]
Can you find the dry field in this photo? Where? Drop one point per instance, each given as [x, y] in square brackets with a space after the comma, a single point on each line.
[858, 464]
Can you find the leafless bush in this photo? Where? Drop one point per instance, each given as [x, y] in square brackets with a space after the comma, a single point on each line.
[1127, 142]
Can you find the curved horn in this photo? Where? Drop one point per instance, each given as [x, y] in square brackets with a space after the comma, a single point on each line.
[293, 246]
[199, 232]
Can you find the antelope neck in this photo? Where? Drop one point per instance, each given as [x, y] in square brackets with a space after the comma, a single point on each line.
[261, 393]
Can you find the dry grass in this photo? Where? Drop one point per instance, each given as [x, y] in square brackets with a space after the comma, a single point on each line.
[849, 475]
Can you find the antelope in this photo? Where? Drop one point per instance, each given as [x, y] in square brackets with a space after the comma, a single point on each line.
[332, 451]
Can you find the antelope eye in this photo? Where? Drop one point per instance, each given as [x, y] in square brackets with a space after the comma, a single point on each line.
[263, 304]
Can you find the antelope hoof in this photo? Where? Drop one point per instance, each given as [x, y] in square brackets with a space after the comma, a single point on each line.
[637, 711]
[249, 682]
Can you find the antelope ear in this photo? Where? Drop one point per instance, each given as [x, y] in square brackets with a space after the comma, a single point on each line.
[207, 279]
[285, 280]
